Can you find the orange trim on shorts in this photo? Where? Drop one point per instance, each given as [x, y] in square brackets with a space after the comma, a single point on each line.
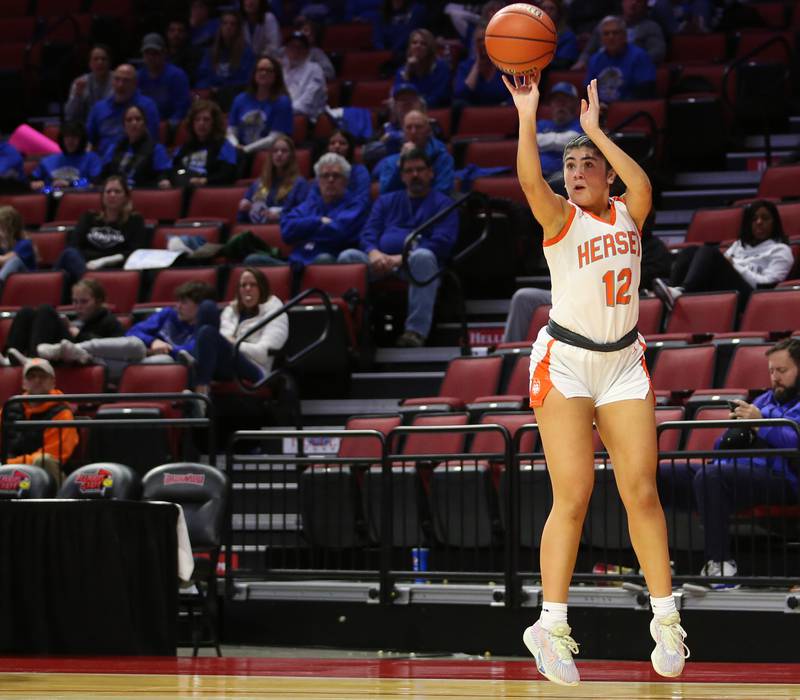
[644, 367]
[540, 381]
[563, 231]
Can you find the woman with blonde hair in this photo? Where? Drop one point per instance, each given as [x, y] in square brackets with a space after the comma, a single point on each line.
[229, 61]
[279, 187]
[428, 74]
[17, 253]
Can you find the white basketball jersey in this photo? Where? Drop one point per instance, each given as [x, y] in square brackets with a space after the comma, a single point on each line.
[595, 268]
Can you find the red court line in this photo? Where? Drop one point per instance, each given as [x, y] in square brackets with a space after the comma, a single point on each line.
[477, 669]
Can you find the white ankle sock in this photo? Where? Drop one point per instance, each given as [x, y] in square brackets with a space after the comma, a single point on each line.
[663, 606]
[552, 614]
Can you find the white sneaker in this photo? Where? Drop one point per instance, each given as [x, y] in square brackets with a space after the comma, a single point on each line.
[669, 295]
[670, 654]
[553, 650]
[49, 351]
[720, 568]
[71, 352]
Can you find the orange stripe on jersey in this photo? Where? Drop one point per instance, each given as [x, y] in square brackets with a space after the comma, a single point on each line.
[540, 381]
[563, 231]
[612, 216]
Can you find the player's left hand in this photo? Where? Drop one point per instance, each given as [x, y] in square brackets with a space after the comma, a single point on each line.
[590, 111]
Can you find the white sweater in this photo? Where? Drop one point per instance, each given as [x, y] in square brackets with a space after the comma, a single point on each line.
[271, 337]
[769, 262]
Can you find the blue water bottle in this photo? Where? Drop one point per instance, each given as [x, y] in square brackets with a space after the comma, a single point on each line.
[419, 561]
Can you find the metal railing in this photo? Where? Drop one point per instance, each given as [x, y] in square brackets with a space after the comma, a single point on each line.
[475, 517]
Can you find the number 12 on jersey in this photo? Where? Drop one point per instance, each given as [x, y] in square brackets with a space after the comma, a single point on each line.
[617, 285]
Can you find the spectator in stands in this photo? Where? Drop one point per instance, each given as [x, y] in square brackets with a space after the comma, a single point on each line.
[640, 31]
[137, 156]
[393, 217]
[159, 338]
[164, 83]
[343, 143]
[104, 238]
[12, 169]
[418, 135]
[202, 26]
[305, 79]
[73, 167]
[17, 253]
[656, 259]
[567, 47]
[263, 111]
[260, 27]
[465, 21]
[687, 17]
[228, 63]
[404, 98]
[105, 125]
[761, 257]
[180, 52]
[207, 157]
[477, 80]
[727, 485]
[279, 188]
[563, 126]
[213, 347]
[91, 87]
[322, 226]
[33, 326]
[363, 11]
[431, 76]
[623, 70]
[398, 18]
[48, 448]
[316, 55]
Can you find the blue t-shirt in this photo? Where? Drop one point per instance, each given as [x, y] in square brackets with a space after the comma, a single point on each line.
[160, 163]
[618, 77]
[165, 325]
[257, 214]
[170, 92]
[394, 34]
[486, 92]
[25, 252]
[253, 119]
[11, 163]
[71, 167]
[105, 126]
[434, 87]
[387, 171]
[553, 159]
[224, 74]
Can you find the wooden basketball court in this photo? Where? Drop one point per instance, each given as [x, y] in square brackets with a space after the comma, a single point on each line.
[342, 679]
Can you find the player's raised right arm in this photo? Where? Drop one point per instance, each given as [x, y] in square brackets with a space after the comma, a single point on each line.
[549, 209]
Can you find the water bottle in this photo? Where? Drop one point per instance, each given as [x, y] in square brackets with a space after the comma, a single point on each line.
[419, 561]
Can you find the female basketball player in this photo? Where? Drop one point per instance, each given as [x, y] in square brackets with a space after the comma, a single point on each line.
[587, 365]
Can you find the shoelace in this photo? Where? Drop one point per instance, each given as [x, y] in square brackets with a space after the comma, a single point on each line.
[563, 645]
[672, 635]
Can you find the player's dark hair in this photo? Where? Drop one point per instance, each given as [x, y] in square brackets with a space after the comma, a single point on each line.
[415, 154]
[746, 232]
[791, 345]
[583, 141]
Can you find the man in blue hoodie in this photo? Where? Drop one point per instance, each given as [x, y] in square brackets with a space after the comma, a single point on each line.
[728, 485]
[159, 338]
[394, 216]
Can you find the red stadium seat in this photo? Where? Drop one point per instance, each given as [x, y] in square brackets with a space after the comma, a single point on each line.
[574, 77]
[669, 440]
[697, 48]
[122, 287]
[168, 280]
[782, 181]
[772, 310]
[17, 29]
[13, 8]
[703, 313]
[347, 37]
[32, 289]
[790, 218]
[10, 383]
[359, 447]
[749, 368]
[215, 203]
[279, 276]
[269, 233]
[488, 121]
[466, 378]
[164, 233]
[364, 65]
[516, 392]
[684, 368]
[714, 225]
[81, 379]
[161, 205]
[488, 154]
[436, 443]
[622, 110]
[32, 207]
[702, 439]
[370, 93]
[444, 118]
[73, 204]
[753, 39]
[505, 187]
[650, 312]
[14, 56]
[512, 421]
[49, 245]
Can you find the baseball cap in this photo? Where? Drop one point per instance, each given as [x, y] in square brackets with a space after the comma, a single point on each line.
[404, 87]
[38, 363]
[564, 88]
[153, 42]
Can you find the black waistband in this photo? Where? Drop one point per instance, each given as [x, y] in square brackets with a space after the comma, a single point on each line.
[579, 341]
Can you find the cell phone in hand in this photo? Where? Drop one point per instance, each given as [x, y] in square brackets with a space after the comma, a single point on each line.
[732, 405]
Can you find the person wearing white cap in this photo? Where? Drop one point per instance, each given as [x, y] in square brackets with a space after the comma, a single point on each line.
[49, 448]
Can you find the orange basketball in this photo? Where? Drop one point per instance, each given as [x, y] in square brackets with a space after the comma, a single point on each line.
[521, 38]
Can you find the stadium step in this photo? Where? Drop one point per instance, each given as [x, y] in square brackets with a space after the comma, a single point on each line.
[700, 198]
[377, 385]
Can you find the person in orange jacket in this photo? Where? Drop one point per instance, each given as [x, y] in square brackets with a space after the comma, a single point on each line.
[49, 448]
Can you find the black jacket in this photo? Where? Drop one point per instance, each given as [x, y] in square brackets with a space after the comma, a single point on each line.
[103, 324]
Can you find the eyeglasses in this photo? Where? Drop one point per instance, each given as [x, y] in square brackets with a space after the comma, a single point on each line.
[330, 176]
